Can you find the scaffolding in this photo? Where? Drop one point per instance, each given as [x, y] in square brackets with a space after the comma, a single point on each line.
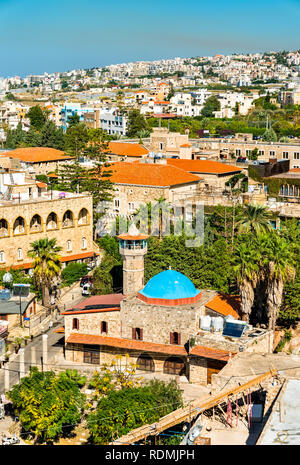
[195, 408]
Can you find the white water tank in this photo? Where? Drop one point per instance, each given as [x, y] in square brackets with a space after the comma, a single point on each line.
[217, 323]
[205, 322]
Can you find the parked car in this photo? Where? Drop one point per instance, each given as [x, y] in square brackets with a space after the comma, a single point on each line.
[86, 290]
[241, 159]
[85, 280]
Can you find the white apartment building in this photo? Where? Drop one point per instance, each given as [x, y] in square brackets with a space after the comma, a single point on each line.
[112, 121]
[230, 100]
[181, 104]
[200, 96]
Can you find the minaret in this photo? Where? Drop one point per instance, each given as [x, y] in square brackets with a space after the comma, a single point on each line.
[133, 248]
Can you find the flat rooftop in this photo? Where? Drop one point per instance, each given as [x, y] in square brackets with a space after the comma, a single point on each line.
[44, 197]
[216, 340]
[283, 425]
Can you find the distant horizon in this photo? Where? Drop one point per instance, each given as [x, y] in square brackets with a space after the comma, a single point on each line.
[58, 36]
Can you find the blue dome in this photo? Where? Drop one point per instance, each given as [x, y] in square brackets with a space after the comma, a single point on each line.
[171, 285]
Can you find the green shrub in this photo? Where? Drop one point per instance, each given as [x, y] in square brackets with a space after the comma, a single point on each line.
[73, 272]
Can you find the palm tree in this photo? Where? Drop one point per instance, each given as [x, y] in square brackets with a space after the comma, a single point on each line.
[255, 219]
[47, 264]
[247, 270]
[279, 268]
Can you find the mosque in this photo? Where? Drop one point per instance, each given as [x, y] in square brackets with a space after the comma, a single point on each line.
[164, 327]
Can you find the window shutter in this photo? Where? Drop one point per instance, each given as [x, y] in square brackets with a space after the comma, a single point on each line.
[141, 334]
[106, 327]
[133, 333]
[179, 338]
[171, 338]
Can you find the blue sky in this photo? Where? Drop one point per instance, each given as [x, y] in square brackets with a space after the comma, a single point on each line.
[58, 35]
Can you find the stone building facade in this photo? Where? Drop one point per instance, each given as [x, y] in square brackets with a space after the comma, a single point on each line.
[68, 218]
[158, 328]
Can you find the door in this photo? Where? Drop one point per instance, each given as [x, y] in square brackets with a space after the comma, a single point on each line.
[91, 354]
[174, 366]
[214, 366]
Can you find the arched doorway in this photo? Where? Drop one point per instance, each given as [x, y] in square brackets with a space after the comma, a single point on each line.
[145, 362]
[174, 366]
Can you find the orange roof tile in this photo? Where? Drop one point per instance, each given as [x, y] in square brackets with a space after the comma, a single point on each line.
[225, 304]
[37, 154]
[26, 266]
[295, 170]
[128, 237]
[209, 352]
[78, 256]
[149, 174]
[95, 310]
[127, 149]
[60, 330]
[186, 145]
[203, 166]
[41, 185]
[129, 344]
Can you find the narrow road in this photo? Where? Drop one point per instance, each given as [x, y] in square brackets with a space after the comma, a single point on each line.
[55, 344]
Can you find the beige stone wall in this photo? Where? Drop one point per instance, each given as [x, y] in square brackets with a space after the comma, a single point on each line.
[22, 239]
[74, 353]
[198, 370]
[266, 148]
[90, 323]
[137, 195]
[158, 322]
[161, 139]
[133, 270]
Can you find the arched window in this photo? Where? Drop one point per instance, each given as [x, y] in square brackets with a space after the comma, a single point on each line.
[52, 221]
[3, 228]
[75, 323]
[83, 243]
[83, 217]
[2, 256]
[68, 219]
[69, 245]
[19, 226]
[36, 223]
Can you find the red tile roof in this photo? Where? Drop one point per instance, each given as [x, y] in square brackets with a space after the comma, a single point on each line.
[149, 174]
[94, 310]
[26, 266]
[209, 352]
[60, 330]
[203, 166]
[37, 154]
[127, 149]
[129, 344]
[113, 299]
[225, 304]
[128, 237]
